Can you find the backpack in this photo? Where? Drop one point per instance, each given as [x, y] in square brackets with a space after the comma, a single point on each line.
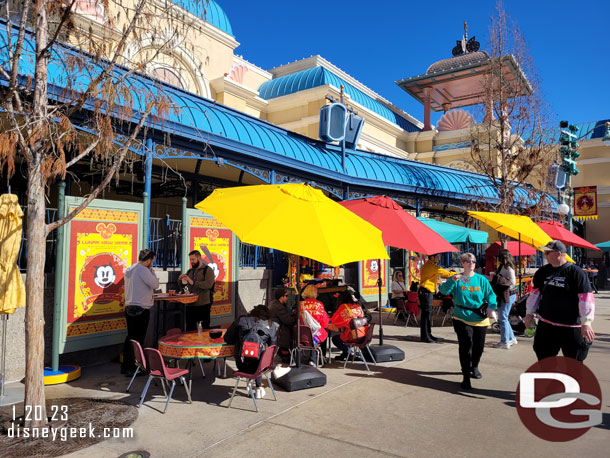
[213, 285]
[358, 328]
[253, 343]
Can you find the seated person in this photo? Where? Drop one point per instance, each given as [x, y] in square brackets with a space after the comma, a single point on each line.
[260, 321]
[285, 319]
[412, 298]
[316, 310]
[399, 290]
[348, 308]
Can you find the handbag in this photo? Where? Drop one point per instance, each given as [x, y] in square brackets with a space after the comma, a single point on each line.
[311, 322]
[481, 311]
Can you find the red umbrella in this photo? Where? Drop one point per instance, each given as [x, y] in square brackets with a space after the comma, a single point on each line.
[399, 229]
[556, 230]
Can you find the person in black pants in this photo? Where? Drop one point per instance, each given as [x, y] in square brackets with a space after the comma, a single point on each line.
[564, 303]
[140, 284]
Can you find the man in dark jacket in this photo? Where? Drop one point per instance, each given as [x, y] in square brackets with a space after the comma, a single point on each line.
[198, 279]
[286, 320]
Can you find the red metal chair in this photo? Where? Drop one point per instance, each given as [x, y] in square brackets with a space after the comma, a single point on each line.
[139, 359]
[356, 346]
[265, 365]
[307, 343]
[405, 314]
[157, 369]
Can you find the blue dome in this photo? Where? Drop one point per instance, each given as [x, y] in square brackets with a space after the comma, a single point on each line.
[212, 14]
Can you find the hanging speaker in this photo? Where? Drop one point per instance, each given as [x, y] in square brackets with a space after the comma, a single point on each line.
[353, 129]
[332, 122]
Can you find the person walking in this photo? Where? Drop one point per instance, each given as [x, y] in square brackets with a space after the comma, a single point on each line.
[429, 274]
[474, 302]
[564, 303]
[199, 279]
[502, 284]
[140, 284]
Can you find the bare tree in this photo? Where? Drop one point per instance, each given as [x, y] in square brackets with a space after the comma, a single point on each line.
[100, 46]
[512, 145]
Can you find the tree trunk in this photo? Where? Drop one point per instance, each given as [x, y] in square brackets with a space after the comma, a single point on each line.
[34, 315]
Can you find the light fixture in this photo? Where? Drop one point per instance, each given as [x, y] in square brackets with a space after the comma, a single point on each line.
[606, 138]
[563, 209]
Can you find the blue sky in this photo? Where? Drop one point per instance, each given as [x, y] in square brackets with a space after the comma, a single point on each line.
[379, 42]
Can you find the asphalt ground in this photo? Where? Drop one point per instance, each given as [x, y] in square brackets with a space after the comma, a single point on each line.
[413, 407]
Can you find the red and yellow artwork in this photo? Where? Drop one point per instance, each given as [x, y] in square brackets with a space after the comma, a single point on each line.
[99, 254]
[207, 232]
[585, 202]
[371, 269]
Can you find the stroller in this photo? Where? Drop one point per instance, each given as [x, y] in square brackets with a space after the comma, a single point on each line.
[515, 316]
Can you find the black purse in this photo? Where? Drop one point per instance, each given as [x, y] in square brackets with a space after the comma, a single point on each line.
[481, 311]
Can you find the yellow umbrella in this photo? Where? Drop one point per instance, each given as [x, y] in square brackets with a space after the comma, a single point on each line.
[518, 227]
[12, 289]
[297, 219]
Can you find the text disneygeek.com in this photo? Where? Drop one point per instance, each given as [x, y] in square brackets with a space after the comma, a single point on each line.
[65, 433]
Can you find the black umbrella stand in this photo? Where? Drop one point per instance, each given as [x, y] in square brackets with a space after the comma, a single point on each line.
[384, 353]
[300, 377]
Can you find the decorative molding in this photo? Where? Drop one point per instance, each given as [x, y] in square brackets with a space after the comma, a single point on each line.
[237, 73]
[237, 59]
[380, 147]
[224, 84]
[596, 160]
[450, 146]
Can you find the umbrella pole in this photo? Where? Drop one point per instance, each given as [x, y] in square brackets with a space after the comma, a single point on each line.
[298, 282]
[519, 267]
[379, 308]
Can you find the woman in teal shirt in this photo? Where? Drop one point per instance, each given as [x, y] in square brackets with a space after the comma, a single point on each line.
[470, 321]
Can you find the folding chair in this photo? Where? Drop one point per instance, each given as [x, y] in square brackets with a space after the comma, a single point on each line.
[265, 365]
[356, 346]
[158, 369]
[307, 343]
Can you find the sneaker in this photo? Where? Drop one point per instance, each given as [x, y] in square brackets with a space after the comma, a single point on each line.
[259, 393]
[311, 363]
[280, 371]
[476, 373]
[514, 341]
[503, 345]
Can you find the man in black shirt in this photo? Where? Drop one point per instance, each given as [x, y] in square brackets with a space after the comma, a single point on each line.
[563, 301]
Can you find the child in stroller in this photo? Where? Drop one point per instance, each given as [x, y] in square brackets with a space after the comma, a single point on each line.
[515, 316]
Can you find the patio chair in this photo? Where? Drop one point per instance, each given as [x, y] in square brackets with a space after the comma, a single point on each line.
[307, 343]
[265, 365]
[355, 347]
[139, 359]
[405, 314]
[158, 369]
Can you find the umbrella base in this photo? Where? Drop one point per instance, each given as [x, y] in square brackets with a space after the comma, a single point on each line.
[12, 395]
[385, 353]
[301, 378]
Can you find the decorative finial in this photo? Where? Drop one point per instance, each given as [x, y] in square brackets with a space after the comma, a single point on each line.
[465, 45]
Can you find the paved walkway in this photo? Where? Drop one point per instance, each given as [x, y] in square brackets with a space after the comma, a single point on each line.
[409, 408]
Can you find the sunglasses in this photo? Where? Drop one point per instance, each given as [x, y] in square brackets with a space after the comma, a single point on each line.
[469, 262]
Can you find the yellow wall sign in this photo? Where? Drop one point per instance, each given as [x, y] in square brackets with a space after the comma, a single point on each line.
[585, 202]
[102, 244]
[209, 233]
[369, 273]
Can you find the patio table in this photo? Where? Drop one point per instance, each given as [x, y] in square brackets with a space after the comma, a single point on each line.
[192, 345]
[163, 299]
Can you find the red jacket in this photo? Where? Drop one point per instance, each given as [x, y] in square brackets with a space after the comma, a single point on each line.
[316, 309]
[344, 315]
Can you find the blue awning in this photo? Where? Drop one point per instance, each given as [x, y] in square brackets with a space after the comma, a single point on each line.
[201, 123]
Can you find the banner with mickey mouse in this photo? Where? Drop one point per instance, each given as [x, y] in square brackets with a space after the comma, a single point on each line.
[585, 202]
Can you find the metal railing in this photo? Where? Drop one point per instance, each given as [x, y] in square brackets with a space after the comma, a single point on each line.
[165, 239]
[255, 256]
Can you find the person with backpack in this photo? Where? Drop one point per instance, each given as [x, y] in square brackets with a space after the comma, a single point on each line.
[251, 335]
[350, 318]
[199, 279]
[502, 283]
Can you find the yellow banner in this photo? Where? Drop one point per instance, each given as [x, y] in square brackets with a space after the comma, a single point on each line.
[585, 203]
